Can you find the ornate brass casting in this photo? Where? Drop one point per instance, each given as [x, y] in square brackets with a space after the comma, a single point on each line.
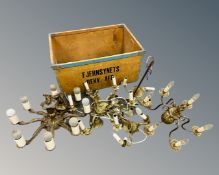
[67, 111]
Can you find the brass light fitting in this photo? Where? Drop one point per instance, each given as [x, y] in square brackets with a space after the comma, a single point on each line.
[67, 111]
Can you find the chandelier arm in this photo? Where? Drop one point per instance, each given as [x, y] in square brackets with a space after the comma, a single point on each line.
[158, 106]
[69, 116]
[80, 112]
[124, 101]
[144, 139]
[37, 112]
[66, 127]
[35, 134]
[176, 128]
[52, 130]
[31, 121]
[185, 123]
[139, 123]
[170, 100]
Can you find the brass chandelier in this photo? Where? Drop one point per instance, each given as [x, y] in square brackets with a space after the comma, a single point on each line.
[68, 111]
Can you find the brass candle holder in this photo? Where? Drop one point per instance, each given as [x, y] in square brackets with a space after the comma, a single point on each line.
[67, 111]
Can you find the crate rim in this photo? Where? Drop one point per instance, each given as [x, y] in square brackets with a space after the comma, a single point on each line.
[57, 66]
[96, 60]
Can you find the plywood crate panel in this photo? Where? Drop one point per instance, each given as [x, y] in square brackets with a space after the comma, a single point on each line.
[94, 55]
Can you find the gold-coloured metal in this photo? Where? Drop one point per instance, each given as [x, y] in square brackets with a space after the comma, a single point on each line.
[150, 129]
[139, 92]
[195, 131]
[163, 93]
[174, 146]
[58, 110]
[101, 108]
[146, 102]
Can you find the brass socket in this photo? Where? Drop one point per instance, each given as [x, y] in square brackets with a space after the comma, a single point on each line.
[163, 93]
[117, 127]
[173, 145]
[147, 131]
[86, 131]
[195, 131]
[139, 93]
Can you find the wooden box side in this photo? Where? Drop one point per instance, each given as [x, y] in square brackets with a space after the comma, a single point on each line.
[91, 43]
[86, 44]
[99, 75]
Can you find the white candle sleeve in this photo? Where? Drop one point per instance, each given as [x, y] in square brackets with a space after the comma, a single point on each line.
[18, 138]
[116, 120]
[25, 103]
[181, 142]
[49, 141]
[75, 128]
[131, 95]
[86, 105]
[124, 83]
[193, 99]
[77, 92]
[114, 81]
[117, 138]
[150, 89]
[11, 113]
[169, 86]
[53, 90]
[81, 124]
[70, 100]
[205, 128]
[140, 113]
[86, 85]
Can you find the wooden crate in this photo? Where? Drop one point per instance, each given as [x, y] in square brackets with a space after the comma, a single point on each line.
[95, 54]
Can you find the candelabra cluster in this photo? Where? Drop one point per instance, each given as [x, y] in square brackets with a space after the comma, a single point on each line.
[67, 111]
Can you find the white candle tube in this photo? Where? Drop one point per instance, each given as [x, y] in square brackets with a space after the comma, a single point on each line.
[181, 142]
[86, 105]
[81, 124]
[49, 141]
[11, 113]
[75, 128]
[86, 85]
[25, 103]
[114, 81]
[77, 92]
[193, 99]
[115, 119]
[53, 90]
[70, 100]
[131, 97]
[18, 138]
[118, 139]
[150, 89]
[169, 86]
[140, 113]
[124, 83]
[205, 128]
